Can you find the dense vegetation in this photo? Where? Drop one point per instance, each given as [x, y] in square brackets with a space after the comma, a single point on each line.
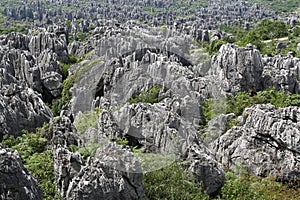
[265, 35]
[171, 183]
[36, 156]
[214, 107]
[247, 187]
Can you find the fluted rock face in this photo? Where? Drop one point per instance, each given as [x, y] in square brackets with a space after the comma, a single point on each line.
[16, 183]
[168, 127]
[266, 143]
[236, 69]
[109, 175]
[282, 73]
[29, 76]
[50, 74]
[21, 109]
[48, 40]
[113, 173]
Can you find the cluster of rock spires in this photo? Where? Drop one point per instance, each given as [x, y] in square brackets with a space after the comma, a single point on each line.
[189, 16]
[170, 126]
[123, 60]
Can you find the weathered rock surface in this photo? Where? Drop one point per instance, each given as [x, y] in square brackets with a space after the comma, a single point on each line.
[282, 73]
[168, 127]
[108, 176]
[235, 69]
[110, 173]
[266, 143]
[29, 76]
[16, 183]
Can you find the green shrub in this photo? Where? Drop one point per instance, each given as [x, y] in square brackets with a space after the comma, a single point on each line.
[247, 187]
[88, 150]
[57, 104]
[150, 95]
[214, 46]
[37, 158]
[171, 183]
[86, 120]
[213, 108]
[66, 66]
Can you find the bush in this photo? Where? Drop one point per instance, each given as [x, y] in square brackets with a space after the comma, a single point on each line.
[214, 46]
[57, 104]
[37, 158]
[246, 186]
[171, 183]
[213, 108]
[150, 95]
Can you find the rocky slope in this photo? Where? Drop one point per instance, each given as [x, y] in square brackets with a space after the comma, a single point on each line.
[123, 62]
[30, 76]
[157, 128]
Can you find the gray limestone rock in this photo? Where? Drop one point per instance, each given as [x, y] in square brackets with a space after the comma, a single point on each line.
[21, 109]
[16, 183]
[47, 40]
[157, 130]
[267, 143]
[282, 73]
[236, 69]
[102, 178]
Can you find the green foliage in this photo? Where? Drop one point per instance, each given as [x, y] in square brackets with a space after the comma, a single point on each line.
[214, 46]
[265, 36]
[150, 95]
[65, 66]
[251, 37]
[246, 187]
[85, 121]
[83, 36]
[37, 158]
[122, 142]
[213, 108]
[57, 104]
[171, 183]
[268, 29]
[42, 167]
[88, 150]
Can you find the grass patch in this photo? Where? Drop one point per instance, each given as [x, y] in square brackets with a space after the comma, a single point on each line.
[247, 187]
[171, 183]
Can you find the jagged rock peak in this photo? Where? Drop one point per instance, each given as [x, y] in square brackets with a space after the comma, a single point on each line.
[16, 183]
